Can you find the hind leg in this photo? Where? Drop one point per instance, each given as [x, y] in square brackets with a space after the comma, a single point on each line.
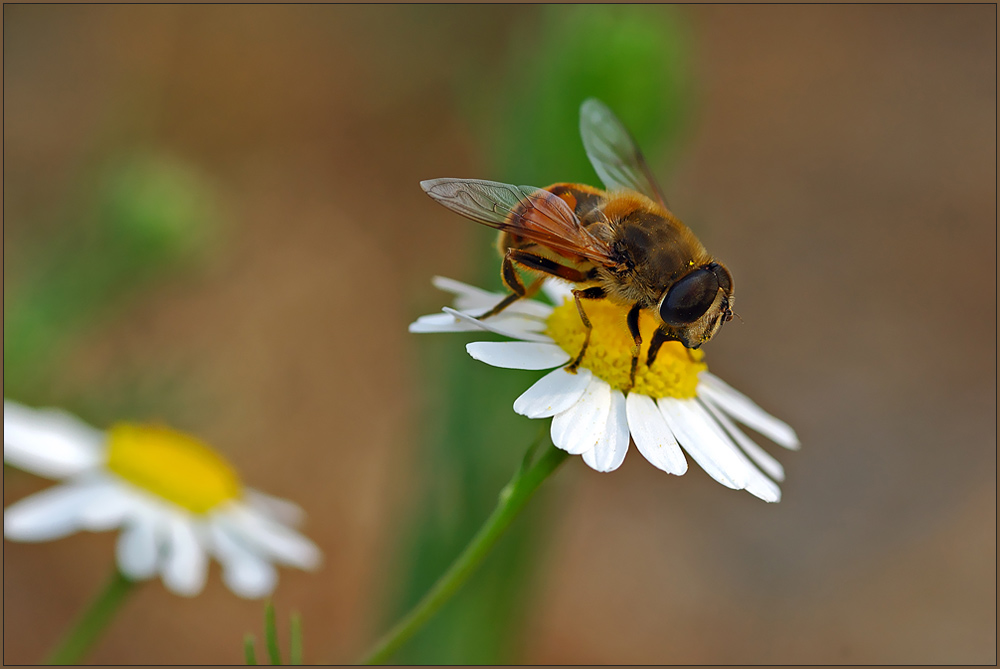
[508, 273]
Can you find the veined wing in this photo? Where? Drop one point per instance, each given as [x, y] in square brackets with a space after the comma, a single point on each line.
[613, 152]
[525, 211]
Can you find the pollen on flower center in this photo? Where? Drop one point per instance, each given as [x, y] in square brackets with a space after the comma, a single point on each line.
[171, 465]
[609, 355]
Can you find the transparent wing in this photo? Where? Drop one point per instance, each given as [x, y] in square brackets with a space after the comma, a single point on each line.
[613, 153]
[532, 213]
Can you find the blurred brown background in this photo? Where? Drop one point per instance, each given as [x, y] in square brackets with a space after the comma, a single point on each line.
[842, 163]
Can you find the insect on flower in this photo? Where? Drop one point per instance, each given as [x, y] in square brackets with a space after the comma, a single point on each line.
[621, 244]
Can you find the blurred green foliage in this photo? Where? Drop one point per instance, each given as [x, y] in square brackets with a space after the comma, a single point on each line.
[143, 216]
[271, 640]
[632, 57]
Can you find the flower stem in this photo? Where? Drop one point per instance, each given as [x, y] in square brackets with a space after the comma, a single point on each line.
[91, 624]
[513, 497]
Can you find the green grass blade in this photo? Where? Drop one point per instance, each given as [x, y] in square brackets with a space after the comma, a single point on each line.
[248, 650]
[295, 650]
[271, 635]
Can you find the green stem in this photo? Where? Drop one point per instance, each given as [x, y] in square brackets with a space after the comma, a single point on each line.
[512, 499]
[91, 624]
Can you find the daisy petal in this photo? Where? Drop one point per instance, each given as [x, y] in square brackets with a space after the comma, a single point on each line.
[49, 442]
[185, 566]
[610, 451]
[244, 572]
[447, 323]
[652, 435]
[471, 298]
[509, 328]
[281, 543]
[763, 459]
[518, 354]
[745, 410]
[280, 509]
[553, 393]
[525, 308]
[703, 444]
[764, 488]
[581, 427]
[756, 483]
[50, 514]
[557, 291]
[464, 290]
[441, 323]
[107, 510]
[137, 549]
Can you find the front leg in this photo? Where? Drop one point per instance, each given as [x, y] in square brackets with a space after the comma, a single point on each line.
[659, 336]
[595, 293]
[633, 327]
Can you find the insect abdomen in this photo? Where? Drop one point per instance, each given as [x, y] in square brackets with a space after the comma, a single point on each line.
[581, 198]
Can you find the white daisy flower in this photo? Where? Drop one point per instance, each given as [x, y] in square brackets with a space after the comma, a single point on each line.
[675, 404]
[177, 501]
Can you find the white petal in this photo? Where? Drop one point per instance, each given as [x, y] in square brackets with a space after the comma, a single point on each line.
[507, 328]
[652, 435]
[699, 439]
[558, 291]
[445, 322]
[50, 514]
[283, 510]
[764, 488]
[471, 298]
[580, 428]
[441, 323]
[137, 549]
[513, 322]
[610, 451]
[743, 409]
[244, 572]
[526, 308]
[756, 453]
[279, 542]
[185, 565]
[553, 393]
[461, 289]
[756, 483]
[518, 354]
[49, 442]
[108, 508]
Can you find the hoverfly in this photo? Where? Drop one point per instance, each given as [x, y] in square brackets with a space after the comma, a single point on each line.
[621, 244]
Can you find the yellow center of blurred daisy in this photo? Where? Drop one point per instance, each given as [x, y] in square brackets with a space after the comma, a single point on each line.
[171, 465]
[609, 355]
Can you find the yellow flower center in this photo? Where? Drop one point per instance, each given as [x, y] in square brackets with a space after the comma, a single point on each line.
[609, 355]
[171, 465]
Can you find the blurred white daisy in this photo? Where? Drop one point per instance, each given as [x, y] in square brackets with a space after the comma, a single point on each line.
[675, 404]
[177, 502]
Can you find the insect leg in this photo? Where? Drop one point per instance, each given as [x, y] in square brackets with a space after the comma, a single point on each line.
[532, 261]
[633, 327]
[543, 264]
[659, 336]
[595, 293]
[510, 279]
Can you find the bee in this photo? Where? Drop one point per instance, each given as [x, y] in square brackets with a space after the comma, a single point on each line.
[621, 244]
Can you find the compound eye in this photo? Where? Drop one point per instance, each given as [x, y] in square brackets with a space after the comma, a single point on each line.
[689, 298]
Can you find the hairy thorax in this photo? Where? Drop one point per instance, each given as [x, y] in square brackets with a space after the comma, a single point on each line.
[652, 249]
